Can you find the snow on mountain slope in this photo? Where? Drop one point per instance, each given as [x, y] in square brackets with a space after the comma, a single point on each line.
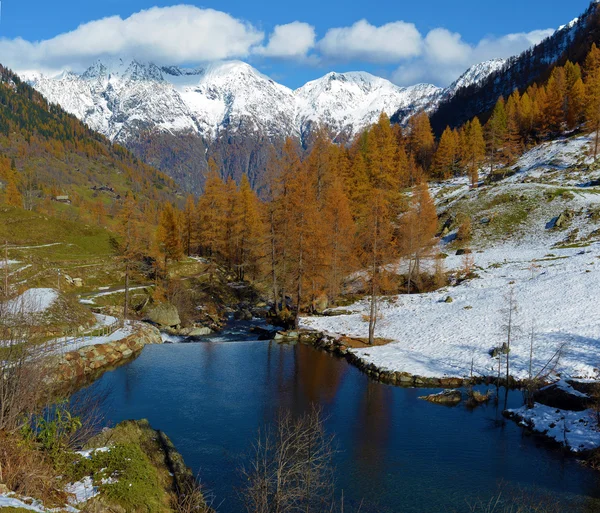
[123, 98]
[348, 102]
[474, 75]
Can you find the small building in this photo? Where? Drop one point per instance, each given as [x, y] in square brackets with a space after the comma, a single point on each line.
[62, 199]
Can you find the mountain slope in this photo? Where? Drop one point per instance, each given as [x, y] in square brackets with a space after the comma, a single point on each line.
[48, 151]
[570, 42]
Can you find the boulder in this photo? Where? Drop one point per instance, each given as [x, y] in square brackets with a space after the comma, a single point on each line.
[449, 397]
[321, 304]
[461, 252]
[164, 314]
[199, 332]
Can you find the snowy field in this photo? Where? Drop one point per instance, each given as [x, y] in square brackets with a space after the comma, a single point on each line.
[559, 297]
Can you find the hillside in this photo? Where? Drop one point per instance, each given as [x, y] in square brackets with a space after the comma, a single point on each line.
[571, 42]
[47, 153]
[537, 232]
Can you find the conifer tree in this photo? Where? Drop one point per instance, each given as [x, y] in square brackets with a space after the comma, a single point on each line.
[418, 227]
[473, 149]
[250, 230]
[189, 225]
[13, 197]
[495, 131]
[130, 244]
[446, 156]
[421, 140]
[340, 233]
[168, 234]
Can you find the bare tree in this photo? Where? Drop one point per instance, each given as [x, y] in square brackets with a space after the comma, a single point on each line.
[21, 364]
[510, 330]
[290, 469]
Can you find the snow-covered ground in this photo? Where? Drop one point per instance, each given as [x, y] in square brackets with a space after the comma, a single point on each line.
[558, 296]
[32, 301]
[577, 430]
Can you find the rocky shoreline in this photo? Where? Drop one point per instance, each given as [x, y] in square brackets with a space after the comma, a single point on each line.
[82, 364]
[331, 344]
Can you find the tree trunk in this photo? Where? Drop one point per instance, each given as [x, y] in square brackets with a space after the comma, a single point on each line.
[126, 305]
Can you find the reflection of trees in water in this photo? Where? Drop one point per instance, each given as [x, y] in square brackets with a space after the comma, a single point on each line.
[373, 431]
[318, 375]
[303, 377]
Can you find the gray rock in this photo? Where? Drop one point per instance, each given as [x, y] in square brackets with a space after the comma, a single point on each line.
[164, 314]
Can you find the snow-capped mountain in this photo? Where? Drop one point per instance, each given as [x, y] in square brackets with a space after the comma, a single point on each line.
[121, 99]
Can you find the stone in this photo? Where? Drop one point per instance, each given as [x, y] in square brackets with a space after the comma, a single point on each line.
[448, 397]
[199, 332]
[448, 300]
[321, 304]
[78, 282]
[164, 314]
[464, 251]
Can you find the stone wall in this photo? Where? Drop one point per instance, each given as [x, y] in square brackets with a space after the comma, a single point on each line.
[332, 345]
[82, 363]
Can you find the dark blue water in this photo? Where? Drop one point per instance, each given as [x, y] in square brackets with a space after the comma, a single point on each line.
[397, 453]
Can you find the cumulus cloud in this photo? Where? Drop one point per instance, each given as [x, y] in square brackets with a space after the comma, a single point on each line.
[362, 41]
[293, 40]
[185, 34]
[173, 35]
[446, 56]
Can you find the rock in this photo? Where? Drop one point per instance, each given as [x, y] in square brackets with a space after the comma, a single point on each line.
[465, 251]
[78, 282]
[321, 304]
[449, 397]
[564, 219]
[485, 220]
[164, 314]
[199, 332]
[448, 300]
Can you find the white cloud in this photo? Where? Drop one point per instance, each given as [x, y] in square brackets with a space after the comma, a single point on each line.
[184, 34]
[293, 40]
[171, 35]
[362, 41]
[446, 56]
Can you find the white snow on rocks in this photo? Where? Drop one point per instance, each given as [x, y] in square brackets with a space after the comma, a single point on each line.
[576, 430]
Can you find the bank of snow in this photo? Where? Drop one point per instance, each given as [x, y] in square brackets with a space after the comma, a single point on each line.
[576, 430]
[434, 338]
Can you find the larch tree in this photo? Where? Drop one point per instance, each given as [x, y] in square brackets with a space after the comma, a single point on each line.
[473, 149]
[495, 132]
[168, 234]
[446, 156]
[375, 243]
[340, 233]
[12, 196]
[210, 215]
[514, 142]
[130, 244]
[250, 230]
[421, 141]
[189, 225]
[418, 228]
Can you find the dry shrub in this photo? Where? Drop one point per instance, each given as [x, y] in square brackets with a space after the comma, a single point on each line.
[290, 469]
[28, 472]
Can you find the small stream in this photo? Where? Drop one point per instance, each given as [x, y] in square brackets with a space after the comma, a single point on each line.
[396, 453]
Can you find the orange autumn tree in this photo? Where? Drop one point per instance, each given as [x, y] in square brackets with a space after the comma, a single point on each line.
[130, 244]
[168, 236]
[418, 228]
[377, 216]
[250, 231]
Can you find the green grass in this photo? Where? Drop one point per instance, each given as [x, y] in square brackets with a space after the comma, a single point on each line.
[135, 484]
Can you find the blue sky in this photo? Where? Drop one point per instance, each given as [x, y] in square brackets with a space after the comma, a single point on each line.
[407, 42]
